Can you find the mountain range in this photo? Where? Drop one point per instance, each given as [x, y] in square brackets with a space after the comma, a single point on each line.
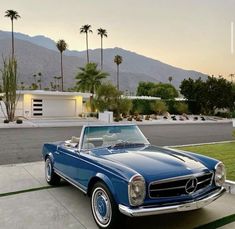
[39, 54]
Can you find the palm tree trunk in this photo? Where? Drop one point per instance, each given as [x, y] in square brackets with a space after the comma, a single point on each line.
[87, 52]
[12, 39]
[118, 76]
[101, 53]
[62, 74]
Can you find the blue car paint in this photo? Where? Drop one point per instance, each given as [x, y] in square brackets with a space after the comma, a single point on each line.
[116, 167]
[93, 167]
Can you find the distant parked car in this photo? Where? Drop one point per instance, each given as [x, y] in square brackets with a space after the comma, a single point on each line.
[124, 174]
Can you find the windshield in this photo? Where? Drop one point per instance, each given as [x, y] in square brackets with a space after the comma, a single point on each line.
[113, 136]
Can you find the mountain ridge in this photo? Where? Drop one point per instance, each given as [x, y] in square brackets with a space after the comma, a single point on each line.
[39, 53]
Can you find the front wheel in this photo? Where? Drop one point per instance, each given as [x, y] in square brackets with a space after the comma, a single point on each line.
[104, 209]
[51, 177]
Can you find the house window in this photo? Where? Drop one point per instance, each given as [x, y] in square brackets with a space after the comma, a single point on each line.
[37, 107]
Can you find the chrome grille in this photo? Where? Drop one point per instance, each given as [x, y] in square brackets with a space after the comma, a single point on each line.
[178, 186]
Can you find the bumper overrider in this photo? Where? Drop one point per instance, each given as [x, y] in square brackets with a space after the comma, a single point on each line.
[195, 204]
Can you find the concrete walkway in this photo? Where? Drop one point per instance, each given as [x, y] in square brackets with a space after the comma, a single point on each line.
[66, 207]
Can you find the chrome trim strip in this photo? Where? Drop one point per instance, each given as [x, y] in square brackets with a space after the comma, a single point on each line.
[145, 211]
[77, 185]
[180, 177]
[209, 179]
[162, 189]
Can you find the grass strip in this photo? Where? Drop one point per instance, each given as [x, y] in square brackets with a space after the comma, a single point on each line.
[28, 190]
[218, 223]
[223, 152]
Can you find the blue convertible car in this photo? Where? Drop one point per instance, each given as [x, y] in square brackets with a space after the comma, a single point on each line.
[125, 175]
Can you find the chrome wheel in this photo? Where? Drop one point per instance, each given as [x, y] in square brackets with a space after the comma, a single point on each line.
[48, 169]
[101, 207]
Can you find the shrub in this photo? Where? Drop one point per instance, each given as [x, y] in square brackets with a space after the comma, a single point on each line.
[224, 114]
[141, 106]
[233, 133]
[147, 117]
[124, 115]
[116, 119]
[125, 105]
[181, 108]
[233, 114]
[9, 76]
[19, 121]
[129, 119]
[138, 119]
[159, 107]
[6, 121]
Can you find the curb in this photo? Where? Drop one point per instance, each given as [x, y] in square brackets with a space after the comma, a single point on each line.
[70, 123]
[230, 186]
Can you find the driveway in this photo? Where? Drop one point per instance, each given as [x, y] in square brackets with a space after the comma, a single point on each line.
[27, 202]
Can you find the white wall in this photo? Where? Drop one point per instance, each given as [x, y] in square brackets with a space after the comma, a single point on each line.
[53, 105]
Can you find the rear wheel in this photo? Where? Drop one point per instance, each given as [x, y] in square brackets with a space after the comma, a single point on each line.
[104, 209]
[51, 177]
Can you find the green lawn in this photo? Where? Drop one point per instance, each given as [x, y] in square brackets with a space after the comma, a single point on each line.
[224, 152]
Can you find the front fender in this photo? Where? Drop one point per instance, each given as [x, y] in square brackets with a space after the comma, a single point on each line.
[108, 182]
[117, 187]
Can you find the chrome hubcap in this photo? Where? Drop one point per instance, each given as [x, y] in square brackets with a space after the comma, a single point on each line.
[101, 207]
[48, 170]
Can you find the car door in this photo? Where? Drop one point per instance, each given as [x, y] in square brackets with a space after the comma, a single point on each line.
[67, 162]
[75, 166]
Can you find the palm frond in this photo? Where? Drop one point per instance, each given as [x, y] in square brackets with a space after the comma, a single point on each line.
[118, 59]
[61, 45]
[86, 29]
[12, 14]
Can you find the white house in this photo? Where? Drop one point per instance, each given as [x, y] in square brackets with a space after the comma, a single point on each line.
[47, 104]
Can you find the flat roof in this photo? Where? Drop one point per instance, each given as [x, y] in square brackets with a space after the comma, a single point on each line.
[132, 97]
[55, 93]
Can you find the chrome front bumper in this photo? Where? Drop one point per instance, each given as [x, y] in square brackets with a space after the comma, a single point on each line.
[145, 211]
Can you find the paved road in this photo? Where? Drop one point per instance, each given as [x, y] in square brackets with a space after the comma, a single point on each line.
[24, 145]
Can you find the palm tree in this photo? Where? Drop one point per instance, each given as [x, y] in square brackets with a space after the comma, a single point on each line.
[118, 61]
[22, 87]
[35, 80]
[89, 79]
[62, 46]
[231, 75]
[86, 29]
[102, 33]
[170, 78]
[40, 80]
[13, 15]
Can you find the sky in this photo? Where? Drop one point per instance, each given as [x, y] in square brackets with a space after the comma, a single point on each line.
[190, 34]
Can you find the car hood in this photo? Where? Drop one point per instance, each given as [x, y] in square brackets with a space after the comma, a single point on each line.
[156, 163]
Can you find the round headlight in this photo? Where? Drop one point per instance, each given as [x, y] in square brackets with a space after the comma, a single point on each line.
[136, 190]
[220, 174]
